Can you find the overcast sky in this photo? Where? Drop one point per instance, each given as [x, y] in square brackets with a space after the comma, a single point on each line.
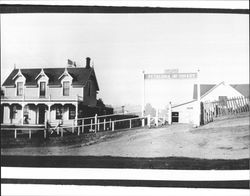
[123, 45]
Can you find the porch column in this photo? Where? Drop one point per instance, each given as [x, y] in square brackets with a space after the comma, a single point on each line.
[49, 114]
[22, 113]
[76, 117]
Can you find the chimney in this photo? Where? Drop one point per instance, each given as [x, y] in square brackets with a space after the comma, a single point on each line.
[87, 63]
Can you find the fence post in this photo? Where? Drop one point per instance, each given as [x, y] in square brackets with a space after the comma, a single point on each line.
[44, 133]
[229, 107]
[113, 125]
[95, 122]
[83, 126]
[98, 124]
[29, 134]
[130, 123]
[78, 130]
[104, 124]
[15, 134]
[156, 118]
[243, 104]
[61, 132]
[110, 125]
[148, 120]
[143, 122]
[91, 122]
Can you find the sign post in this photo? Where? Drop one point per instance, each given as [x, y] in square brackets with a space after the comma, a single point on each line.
[143, 95]
[197, 123]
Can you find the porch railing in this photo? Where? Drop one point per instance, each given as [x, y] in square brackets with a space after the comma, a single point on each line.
[46, 98]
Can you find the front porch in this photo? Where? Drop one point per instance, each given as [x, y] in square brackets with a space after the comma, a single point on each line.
[24, 113]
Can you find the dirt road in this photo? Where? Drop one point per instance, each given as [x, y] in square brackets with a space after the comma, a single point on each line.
[226, 139]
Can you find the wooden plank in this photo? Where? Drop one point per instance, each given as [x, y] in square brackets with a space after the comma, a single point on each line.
[61, 132]
[104, 124]
[15, 133]
[29, 133]
[44, 133]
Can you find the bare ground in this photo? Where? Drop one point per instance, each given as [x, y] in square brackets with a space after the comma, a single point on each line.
[223, 139]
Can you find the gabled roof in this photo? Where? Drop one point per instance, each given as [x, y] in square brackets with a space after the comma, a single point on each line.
[80, 75]
[205, 88]
[242, 88]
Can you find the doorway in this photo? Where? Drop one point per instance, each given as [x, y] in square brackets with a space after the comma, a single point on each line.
[41, 110]
[175, 116]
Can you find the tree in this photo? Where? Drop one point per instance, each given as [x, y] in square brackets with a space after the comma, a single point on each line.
[100, 103]
[150, 110]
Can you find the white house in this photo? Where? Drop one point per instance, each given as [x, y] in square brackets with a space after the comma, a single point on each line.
[55, 94]
[187, 112]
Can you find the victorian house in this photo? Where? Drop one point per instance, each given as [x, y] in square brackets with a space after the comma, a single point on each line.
[34, 96]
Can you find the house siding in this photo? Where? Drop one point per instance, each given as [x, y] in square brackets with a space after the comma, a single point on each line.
[187, 112]
[90, 100]
[54, 92]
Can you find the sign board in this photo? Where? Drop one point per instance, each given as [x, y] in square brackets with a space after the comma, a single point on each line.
[171, 76]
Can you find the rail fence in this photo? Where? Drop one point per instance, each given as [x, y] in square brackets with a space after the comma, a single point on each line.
[86, 125]
[215, 109]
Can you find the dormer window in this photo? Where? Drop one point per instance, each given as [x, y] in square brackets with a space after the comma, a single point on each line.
[66, 88]
[19, 89]
[42, 89]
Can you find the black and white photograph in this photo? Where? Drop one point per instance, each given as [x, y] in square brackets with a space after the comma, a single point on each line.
[158, 97]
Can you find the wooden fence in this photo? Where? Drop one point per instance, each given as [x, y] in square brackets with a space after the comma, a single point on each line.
[92, 126]
[226, 107]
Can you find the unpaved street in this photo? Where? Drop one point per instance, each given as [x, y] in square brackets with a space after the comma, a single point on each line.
[226, 139]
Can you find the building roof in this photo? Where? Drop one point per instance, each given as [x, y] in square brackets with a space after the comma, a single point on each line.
[80, 75]
[242, 88]
[205, 88]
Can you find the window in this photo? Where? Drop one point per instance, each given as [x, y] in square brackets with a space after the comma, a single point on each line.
[72, 113]
[58, 113]
[65, 88]
[42, 89]
[19, 89]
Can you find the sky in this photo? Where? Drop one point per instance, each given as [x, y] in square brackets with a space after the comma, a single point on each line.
[121, 46]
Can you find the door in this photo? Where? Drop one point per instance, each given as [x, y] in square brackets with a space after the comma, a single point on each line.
[41, 119]
[175, 116]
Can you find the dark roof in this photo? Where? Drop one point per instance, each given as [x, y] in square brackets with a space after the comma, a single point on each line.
[204, 88]
[242, 88]
[80, 75]
[183, 104]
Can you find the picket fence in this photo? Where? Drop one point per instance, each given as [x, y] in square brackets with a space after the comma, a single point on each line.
[227, 107]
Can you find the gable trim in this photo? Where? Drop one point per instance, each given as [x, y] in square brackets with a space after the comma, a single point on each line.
[41, 74]
[65, 73]
[18, 74]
